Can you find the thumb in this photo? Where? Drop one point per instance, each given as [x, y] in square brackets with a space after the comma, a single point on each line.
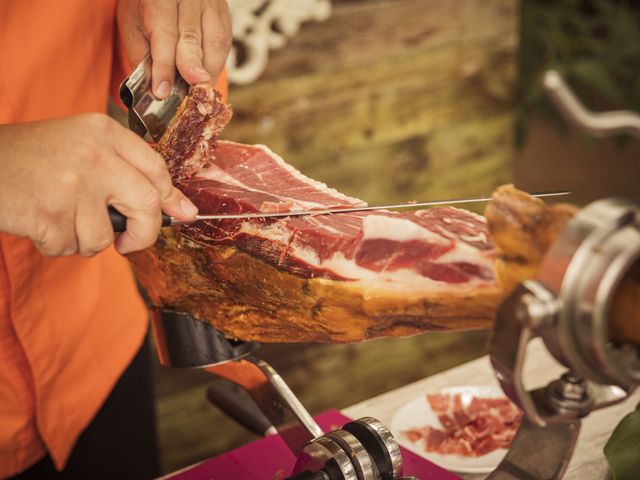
[178, 205]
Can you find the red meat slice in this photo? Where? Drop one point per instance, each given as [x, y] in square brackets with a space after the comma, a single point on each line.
[434, 248]
[387, 255]
[445, 245]
[477, 429]
[414, 435]
[193, 132]
[434, 439]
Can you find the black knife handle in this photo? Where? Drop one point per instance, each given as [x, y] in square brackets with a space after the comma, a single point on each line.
[119, 221]
[239, 407]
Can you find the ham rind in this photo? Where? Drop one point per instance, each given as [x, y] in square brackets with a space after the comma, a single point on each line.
[443, 246]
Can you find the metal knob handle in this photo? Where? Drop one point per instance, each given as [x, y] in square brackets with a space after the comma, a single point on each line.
[310, 476]
[597, 124]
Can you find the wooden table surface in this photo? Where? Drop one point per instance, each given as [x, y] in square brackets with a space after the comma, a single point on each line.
[588, 461]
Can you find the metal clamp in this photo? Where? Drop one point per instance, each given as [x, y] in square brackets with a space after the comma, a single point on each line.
[568, 306]
[274, 397]
[583, 270]
[597, 124]
[361, 450]
[148, 114]
[183, 341]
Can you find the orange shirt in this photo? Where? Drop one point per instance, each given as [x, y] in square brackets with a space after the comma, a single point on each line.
[68, 326]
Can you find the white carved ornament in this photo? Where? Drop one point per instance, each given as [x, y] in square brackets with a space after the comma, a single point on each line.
[263, 25]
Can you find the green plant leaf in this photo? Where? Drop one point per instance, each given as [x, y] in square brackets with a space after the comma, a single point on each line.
[593, 42]
[623, 448]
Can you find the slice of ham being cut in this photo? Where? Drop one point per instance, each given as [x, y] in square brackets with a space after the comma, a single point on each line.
[438, 247]
[329, 278]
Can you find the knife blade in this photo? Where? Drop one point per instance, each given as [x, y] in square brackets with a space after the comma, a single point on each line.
[119, 221]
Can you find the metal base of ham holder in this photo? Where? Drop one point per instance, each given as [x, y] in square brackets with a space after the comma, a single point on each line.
[183, 341]
[569, 307]
[362, 450]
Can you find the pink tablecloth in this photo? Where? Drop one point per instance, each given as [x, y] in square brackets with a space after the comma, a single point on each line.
[270, 459]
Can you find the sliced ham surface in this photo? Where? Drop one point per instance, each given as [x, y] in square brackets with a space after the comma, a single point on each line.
[428, 248]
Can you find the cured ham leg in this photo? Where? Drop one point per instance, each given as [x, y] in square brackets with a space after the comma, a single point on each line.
[328, 278]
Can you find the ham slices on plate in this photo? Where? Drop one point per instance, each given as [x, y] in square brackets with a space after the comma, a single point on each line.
[464, 429]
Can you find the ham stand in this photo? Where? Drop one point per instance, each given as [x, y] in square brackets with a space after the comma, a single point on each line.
[361, 450]
[570, 306]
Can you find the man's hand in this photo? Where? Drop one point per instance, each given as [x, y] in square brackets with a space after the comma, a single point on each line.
[57, 178]
[192, 35]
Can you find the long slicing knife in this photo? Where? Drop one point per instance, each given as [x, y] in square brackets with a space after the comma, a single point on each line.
[149, 117]
[119, 221]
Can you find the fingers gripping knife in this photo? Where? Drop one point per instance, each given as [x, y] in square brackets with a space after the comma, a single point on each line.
[571, 306]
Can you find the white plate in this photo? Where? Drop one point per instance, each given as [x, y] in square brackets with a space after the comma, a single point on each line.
[417, 413]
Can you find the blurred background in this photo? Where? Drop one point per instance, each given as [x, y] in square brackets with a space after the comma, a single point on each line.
[395, 100]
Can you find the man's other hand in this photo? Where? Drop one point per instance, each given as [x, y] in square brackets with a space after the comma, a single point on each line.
[193, 36]
[57, 178]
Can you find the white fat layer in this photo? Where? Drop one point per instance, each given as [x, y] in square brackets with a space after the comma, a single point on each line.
[208, 132]
[199, 152]
[480, 237]
[347, 268]
[274, 231]
[317, 185]
[277, 232]
[205, 108]
[216, 173]
[466, 253]
[398, 229]
[474, 215]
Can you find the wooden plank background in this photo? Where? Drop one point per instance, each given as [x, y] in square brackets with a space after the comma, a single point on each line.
[392, 100]
[388, 100]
